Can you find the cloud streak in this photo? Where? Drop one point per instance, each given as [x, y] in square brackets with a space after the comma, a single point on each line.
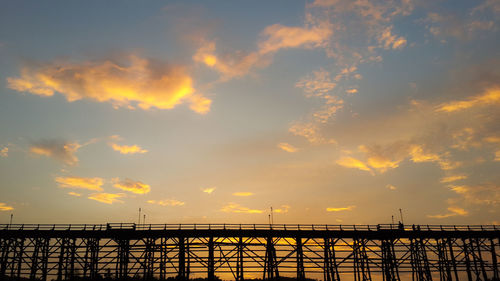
[237, 208]
[107, 198]
[167, 202]
[5, 207]
[81, 183]
[340, 209]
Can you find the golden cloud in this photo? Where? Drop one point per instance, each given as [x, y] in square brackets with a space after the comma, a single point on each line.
[237, 208]
[243, 194]
[60, 150]
[277, 36]
[453, 178]
[137, 82]
[271, 39]
[391, 187]
[283, 209]
[209, 190]
[390, 41]
[350, 162]
[4, 152]
[167, 202]
[453, 211]
[79, 182]
[488, 194]
[136, 187]
[5, 207]
[127, 149]
[340, 209]
[229, 65]
[310, 131]
[287, 147]
[107, 198]
[74, 194]
[489, 97]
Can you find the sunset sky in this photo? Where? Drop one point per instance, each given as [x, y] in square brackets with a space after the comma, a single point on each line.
[330, 111]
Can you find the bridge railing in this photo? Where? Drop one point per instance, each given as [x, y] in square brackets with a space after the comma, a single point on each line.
[303, 227]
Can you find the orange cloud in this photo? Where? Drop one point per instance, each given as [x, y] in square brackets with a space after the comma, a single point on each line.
[453, 178]
[489, 97]
[310, 131]
[74, 194]
[127, 149]
[350, 162]
[479, 194]
[107, 198]
[243, 194]
[59, 150]
[287, 147]
[167, 202]
[229, 65]
[4, 152]
[136, 187]
[137, 82]
[277, 36]
[453, 211]
[79, 182]
[418, 155]
[283, 209]
[391, 41]
[5, 207]
[340, 209]
[237, 208]
[209, 190]
[391, 187]
[271, 39]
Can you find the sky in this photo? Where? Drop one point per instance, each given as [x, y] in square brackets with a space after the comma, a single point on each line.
[328, 111]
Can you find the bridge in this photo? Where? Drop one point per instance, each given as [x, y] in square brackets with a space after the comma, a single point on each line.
[242, 251]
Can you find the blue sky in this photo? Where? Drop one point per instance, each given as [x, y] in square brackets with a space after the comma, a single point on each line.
[330, 111]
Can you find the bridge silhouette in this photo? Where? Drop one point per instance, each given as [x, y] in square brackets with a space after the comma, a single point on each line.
[241, 251]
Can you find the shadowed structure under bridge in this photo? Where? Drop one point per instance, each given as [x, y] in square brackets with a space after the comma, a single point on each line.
[238, 251]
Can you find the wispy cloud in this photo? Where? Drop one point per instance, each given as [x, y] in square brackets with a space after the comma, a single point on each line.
[63, 151]
[5, 207]
[237, 208]
[129, 185]
[167, 202]
[453, 211]
[391, 187]
[350, 162]
[79, 182]
[74, 194]
[277, 36]
[287, 147]
[490, 96]
[340, 209]
[282, 210]
[208, 190]
[271, 39]
[107, 198]
[4, 152]
[132, 82]
[128, 149]
[311, 131]
[453, 178]
[243, 194]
